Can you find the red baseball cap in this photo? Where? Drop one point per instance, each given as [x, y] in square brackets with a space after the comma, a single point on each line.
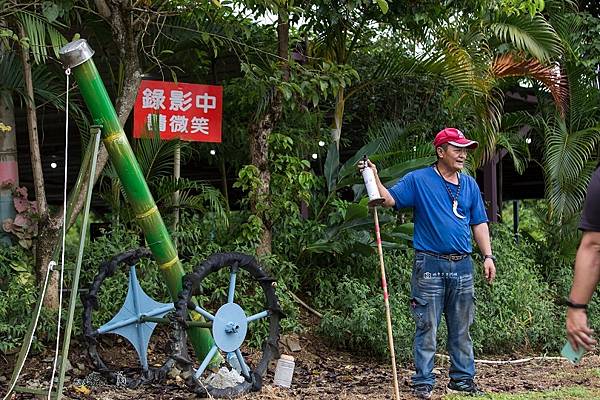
[454, 137]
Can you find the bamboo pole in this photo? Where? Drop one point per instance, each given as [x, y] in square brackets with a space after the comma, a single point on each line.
[77, 55]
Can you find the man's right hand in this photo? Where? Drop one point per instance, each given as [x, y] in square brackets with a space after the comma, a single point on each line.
[388, 199]
[578, 331]
[361, 166]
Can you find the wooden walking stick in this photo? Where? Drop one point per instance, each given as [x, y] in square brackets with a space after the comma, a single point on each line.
[388, 314]
[375, 199]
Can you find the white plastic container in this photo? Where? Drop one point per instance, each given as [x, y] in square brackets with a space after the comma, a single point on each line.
[284, 371]
[371, 185]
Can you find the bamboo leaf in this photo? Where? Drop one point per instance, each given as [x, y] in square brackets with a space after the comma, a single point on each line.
[332, 164]
[349, 166]
[356, 211]
[383, 5]
[394, 173]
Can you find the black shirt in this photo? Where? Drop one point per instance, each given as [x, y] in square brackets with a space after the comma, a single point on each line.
[590, 218]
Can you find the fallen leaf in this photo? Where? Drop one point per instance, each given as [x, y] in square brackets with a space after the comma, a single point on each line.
[84, 390]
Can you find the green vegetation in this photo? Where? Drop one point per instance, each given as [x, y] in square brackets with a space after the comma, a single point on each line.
[302, 103]
[516, 314]
[561, 394]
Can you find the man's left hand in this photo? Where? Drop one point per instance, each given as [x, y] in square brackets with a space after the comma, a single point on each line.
[489, 269]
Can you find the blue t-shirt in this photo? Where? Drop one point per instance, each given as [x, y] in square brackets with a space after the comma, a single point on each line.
[437, 229]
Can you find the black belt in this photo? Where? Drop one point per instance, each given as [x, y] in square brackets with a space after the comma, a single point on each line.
[449, 257]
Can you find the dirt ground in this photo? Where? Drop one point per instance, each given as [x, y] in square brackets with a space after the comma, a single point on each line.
[321, 372]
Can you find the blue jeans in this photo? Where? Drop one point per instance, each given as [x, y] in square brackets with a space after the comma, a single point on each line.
[441, 286]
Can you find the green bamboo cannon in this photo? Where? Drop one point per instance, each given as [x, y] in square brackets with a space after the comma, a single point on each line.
[77, 56]
[212, 334]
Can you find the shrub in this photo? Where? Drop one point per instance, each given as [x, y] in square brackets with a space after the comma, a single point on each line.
[355, 316]
[516, 313]
[18, 296]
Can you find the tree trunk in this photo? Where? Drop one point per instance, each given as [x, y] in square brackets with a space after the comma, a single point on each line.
[48, 231]
[223, 171]
[127, 41]
[336, 129]
[47, 228]
[176, 195]
[259, 153]
[259, 141]
[9, 169]
[283, 41]
[34, 143]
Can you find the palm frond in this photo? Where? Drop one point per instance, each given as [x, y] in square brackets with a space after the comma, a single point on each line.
[398, 144]
[192, 195]
[567, 165]
[46, 88]
[155, 156]
[38, 30]
[397, 65]
[488, 111]
[388, 132]
[584, 97]
[460, 60]
[565, 198]
[511, 65]
[11, 73]
[532, 35]
[567, 152]
[556, 7]
[516, 147]
[50, 90]
[566, 25]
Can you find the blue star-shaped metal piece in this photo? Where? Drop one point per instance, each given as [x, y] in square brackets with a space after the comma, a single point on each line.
[127, 322]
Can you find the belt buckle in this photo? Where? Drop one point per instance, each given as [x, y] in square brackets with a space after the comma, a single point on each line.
[456, 257]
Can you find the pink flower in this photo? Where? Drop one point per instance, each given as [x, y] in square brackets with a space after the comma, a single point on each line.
[7, 224]
[22, 221]
[21, 204]
[21, 192]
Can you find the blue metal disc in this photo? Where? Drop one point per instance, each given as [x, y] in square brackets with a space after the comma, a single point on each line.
[230, 327]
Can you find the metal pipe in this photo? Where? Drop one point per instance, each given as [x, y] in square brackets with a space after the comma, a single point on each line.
[200, 324]
[77, 55]
[75, 282]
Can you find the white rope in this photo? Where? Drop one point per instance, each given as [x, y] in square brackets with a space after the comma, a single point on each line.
[64, 235]
[50, 268]
[505, 362]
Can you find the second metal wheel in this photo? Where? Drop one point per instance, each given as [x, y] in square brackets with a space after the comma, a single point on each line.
[230, 322]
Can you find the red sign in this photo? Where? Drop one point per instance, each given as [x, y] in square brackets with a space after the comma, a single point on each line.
[178, 110]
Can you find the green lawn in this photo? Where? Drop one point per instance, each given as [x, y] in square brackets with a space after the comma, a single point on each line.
[576, 392]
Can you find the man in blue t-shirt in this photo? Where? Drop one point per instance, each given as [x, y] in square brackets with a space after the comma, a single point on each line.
[447, 207]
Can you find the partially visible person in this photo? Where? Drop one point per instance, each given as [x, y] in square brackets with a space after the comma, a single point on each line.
[587, 269]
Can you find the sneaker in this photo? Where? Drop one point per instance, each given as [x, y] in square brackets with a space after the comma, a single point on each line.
[422, 391]
[467, 387]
